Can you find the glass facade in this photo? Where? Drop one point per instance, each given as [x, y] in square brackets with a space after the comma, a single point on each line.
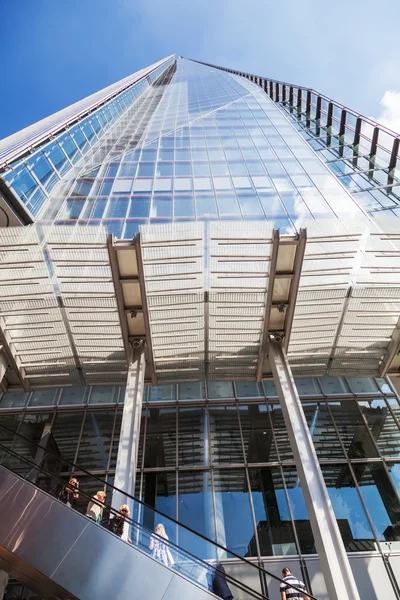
[215, 147]
[34, 177]
[208, 453]
[195, 143]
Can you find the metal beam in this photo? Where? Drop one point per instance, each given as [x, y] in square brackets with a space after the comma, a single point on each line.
[294, 287]
[119, 295]
[391, 352]
[146, 317]
[268, 304]
[335, 564]
[12, 359]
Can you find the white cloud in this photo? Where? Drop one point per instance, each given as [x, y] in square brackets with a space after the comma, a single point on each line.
[390, 111]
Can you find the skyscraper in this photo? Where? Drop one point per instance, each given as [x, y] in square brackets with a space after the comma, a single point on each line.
[194, 235]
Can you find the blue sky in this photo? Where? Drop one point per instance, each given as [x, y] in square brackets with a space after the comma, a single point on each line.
[55, 52]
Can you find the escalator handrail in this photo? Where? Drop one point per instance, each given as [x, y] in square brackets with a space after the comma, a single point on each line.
[140, 526]
[165, 516]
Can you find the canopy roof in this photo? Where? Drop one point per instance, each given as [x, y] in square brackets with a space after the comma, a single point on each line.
[205, 297]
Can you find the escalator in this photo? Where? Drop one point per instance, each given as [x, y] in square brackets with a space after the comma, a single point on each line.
[61, 554]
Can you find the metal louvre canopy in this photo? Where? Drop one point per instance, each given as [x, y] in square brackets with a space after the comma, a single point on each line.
[205, 297]
[173, 266]
[346, 319]
[58, 313]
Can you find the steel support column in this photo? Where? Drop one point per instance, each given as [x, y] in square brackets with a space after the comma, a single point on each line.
[335, 565]
[128, 447]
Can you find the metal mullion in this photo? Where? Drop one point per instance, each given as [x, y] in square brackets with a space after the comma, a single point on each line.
[292, 520]
[368, 428]
[111, 442]
[80, 437]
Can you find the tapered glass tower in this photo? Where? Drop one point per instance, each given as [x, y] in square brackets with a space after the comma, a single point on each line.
[219, 231]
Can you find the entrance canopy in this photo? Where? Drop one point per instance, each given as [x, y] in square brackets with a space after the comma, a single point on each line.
[204, 296]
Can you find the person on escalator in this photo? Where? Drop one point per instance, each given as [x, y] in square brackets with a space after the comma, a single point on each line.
[118, 525]
[95, 507]
[159, 546]
[219, 586]
[69, 493]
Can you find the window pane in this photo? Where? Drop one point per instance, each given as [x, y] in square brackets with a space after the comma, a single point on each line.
[257, 433]
[382, 502]
[106, 394]
[231, 500]
[14, 399]
[159, 491]
[66, 430]
[196, 511]
[43, 398]
[353, 431]
[192, 436]
[220, 389]
[226, 445]
[299, 511]
[274, 525]
[280, 433]
[95, 444]
[162, 392]
[382, 426]
[349, 512]
[73, 395]
[322, 431]
[160, 444]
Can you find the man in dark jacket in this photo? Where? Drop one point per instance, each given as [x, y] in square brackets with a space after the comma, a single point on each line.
[219, 585]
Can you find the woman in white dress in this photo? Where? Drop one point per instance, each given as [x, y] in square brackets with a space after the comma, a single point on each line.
[160, 548]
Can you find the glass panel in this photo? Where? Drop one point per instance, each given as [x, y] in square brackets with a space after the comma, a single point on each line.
[274, 525]
[106, 394]
[362, 385]
[351, 518]
[14, 399]
[299, 511]
[270, 388]
[195, 506]
[11, 424]
[66, 430]
[247, 389]
[280, 433]
[226, 445]
[231, 498]
[73, 395]
[95, 444]
[220, 389]
[191, 391]
[381, 500]
[322, 431]
[159, 491]
[162, 392]
[382, 426]
[115, 442]
[160, 444]
[384, 386]
[193, 447]
[352, 429]
[307, 386]
[32, 428]
[333, 385]
[43, 398]
[258, 440]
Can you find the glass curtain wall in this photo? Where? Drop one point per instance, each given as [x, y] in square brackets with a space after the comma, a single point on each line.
[211, 451]
[215, 147]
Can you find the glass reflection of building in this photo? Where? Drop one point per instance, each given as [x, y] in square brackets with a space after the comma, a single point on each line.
[191, 142]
